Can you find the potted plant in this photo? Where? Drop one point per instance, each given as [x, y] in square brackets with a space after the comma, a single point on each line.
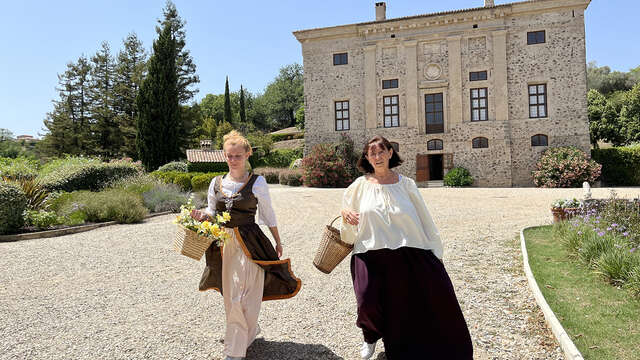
[564, 209]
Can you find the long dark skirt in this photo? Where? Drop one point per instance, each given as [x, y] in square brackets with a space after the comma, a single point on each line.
[406, 298]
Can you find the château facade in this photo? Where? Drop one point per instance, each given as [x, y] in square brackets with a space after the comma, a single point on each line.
[487, 88]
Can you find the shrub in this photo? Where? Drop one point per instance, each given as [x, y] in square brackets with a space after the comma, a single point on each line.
[279, 158]
[289, 136]
[271, 175]
[108, 205]
[565, 167]
[290, 177]
[14, 202]
[207, 167]
[260, 140]
[174, 166]
[202, 182]
[324, 168]
[74, 173]
[40, 219]
[593, 246]
[345, 149]
[620, 165]
[164, 197]
[616, 264]
[183, 180]
[36, 194]
[633, 283]
[458, 176]
[136, 184]
[18, 168]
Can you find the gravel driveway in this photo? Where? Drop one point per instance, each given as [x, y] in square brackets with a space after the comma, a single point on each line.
[120, 292]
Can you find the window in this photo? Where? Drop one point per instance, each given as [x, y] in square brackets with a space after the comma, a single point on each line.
[539, 140]
[342, 115]
[435, 144]
[390, 84]
[340, 59]
[477, 75]
[390, 104]
[395, 146]
[434, 113]
[480, 143]
[536, 37]
[479, 104]
[537, 101]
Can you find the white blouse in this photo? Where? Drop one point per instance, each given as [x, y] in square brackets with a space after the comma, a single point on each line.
[391, 216]
[266, 215]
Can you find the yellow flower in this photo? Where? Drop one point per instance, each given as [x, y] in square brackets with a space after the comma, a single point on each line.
[226, 216]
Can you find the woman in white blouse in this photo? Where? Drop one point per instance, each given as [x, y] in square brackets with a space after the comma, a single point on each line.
[248, 269]
[403, 291]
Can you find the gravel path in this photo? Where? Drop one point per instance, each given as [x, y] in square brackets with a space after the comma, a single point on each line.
[121, 293]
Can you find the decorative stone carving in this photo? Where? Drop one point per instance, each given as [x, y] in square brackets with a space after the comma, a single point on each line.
[432, 72]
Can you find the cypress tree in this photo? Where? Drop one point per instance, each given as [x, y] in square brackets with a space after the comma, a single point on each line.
[158, 119]
[227, 103]
[243, 116]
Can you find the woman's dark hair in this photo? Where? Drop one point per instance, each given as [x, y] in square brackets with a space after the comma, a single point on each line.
[365, 166]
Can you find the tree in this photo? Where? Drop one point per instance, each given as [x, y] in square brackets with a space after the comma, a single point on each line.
[223, 129]
[101, 96]
[606, 81]
[603, 119]
[243, 115]
[300, 118]
[630, 115]
[5, 134]
[227, 103]
[129, 74]
[158, 122]
[285, 95]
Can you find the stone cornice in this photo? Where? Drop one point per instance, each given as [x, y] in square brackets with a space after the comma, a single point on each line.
[448, 18]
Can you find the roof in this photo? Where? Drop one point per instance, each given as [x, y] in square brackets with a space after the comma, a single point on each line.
[205, 156]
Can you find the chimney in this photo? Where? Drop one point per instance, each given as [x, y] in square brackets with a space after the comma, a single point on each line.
[381, 11]
[488, 3]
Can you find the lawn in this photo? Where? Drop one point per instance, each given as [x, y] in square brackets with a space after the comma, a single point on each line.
[602, 320]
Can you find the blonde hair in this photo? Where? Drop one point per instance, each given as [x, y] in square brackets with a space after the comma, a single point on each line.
[234, 137]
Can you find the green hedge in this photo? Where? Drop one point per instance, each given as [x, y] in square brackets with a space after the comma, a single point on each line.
[620, 165]
[13, 203]
[195, 181]
[174, 166]
[18, 168]
[279, 158]
[201, 182]
[282, 137]
[207, 167]
[83, 174]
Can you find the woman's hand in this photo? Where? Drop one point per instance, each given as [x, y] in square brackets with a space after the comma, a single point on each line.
[199, 215]
[279, 249]
[350, 217]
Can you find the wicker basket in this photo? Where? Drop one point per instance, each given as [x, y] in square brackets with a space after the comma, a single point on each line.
[331, 250]
[189, 243]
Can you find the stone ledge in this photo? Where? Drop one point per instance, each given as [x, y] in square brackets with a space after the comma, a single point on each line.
[570, 350]
[65, 231]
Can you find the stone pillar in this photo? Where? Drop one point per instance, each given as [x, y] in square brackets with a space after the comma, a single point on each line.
[370, 87]
[455, 82]
[500, 95]
[412, 83]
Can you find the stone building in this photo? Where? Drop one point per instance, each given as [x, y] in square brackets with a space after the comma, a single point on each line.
[486, 88]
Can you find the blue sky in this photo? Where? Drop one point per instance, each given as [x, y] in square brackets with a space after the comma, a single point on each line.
[246, 40]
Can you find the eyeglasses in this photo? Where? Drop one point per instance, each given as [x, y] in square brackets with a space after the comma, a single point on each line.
[377, 154]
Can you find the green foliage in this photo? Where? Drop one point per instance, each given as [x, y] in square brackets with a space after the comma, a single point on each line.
[324, 168]
[606, 81]
[630, 115]
[76, 173]
[603, 119]
[458, 176]
[18, 168]
[616, 264]
[35, 193]
[223, 129]
[345, 150]
[258, 139]
[107, 205]
[271, 175]
[243, 114]
[202, 182]
[183, 180]
[137, 184]
[565, 167]
[620, 165]
[227, 103]
[290, 136]
[633, 283]
[164, 197]
[290, 177]
[40, 219]
[285, 95]
[279, 158]
[14, 202]
[208, 167]
[300, 118]
[180, 166]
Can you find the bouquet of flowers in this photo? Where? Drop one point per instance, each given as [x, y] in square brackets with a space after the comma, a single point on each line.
[194, 237]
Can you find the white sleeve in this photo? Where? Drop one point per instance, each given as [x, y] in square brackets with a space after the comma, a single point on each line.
[211, 198]
[266, 215]
[428, 225]
[350, 201]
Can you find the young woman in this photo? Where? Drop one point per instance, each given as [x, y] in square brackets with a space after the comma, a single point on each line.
[247, 270]
[403, 292]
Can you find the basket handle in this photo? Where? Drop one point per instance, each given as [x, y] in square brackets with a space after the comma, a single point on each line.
[332, 221]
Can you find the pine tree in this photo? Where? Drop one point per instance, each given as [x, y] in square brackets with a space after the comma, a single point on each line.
[129, 73]
[228, 117]
[106, 133]
[158, 122]
[243, 116]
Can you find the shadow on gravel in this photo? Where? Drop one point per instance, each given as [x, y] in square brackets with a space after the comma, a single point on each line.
[285, 350]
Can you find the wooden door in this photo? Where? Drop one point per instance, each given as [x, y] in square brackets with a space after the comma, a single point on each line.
[422, 167]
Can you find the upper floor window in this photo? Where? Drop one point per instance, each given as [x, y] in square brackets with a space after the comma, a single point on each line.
[479, 104]
[536, 37]
[538, 101]
[435, 144]
[434, 113]
[480, 142]
[342, 115]
[390, 84]
[390, 105]
[539, 140]
[340, 59]
[477, 75]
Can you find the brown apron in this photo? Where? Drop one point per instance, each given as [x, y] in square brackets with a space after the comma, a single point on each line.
[279, 281]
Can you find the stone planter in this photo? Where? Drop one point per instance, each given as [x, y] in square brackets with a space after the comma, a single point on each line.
[560, 214]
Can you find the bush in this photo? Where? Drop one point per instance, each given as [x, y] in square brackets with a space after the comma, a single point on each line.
[278, 158]
[345, 149]
[75, 173]
[616, 264]
[18, 168]
[458, 176]
[271, 175]
[108, 205]
[620, 165]
[14, 203]
[36, 194]
[283, 137]
[565, 167]
[324, 168]
[136, 184]
[183, 180]
[40, 219]
[202, 182]
[290, 177]
[207, 167]
[174, 166]
[164, 197]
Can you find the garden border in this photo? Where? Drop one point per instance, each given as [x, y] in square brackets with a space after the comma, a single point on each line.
[65, 231]
[570, 350]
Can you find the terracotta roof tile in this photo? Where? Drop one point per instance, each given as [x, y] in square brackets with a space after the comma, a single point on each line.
[198, 156]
